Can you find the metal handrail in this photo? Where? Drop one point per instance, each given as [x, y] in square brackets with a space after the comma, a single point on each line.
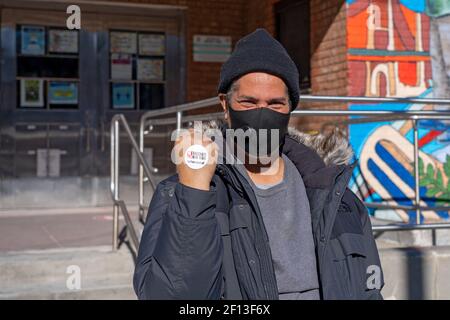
[303, 99]
[381, 118]
[411, 114]
[114, 183]
[408, 227]
[353, 99]
[129, 223]
[403, 207]
[154, 117]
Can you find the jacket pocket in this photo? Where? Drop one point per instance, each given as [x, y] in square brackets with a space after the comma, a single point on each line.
[349, 264]
[240, 216]
[348, 244]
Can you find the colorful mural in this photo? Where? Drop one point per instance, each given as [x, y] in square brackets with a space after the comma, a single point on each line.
[400, 48]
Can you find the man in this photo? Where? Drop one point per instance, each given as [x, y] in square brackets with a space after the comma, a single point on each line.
[287, 229]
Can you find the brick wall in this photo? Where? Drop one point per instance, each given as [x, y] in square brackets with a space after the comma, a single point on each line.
[260, 14]
[236, 18]
[328, 40]
[328, 55]
[328, 47]
[328, 51]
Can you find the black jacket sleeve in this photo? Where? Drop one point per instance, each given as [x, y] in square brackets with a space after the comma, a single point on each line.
[374, 272]
[180, 254]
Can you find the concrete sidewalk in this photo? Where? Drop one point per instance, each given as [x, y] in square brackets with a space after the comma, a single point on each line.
[57, 228]
[37, 246]
[48, 274]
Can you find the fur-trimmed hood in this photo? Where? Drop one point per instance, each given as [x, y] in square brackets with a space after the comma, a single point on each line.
[333, 148]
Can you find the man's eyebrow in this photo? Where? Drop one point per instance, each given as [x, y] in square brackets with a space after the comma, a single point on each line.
[279, 99]
[272, 100]
[246, 98]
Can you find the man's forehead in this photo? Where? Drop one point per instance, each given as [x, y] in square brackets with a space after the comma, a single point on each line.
[260, 77]
[260, 84]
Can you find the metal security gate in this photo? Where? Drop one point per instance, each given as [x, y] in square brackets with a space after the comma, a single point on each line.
[48, 139]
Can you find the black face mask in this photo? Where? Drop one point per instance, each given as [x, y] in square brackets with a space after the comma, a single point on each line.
[255, 120]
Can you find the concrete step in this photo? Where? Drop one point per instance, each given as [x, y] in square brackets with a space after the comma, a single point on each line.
[46, 274]
[417, 273]
[113, 292]
[68, 192]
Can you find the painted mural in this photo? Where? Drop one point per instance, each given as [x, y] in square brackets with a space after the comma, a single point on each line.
[400, 48]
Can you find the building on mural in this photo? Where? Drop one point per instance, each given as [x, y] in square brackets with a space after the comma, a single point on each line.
[400, 48]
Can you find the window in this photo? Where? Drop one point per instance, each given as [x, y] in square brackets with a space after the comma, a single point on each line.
[137, 70]
[47, 67]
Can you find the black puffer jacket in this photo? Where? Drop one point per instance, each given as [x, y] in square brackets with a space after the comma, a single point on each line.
[213, 244]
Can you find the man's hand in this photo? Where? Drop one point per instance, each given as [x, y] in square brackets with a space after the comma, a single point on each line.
[195, 178]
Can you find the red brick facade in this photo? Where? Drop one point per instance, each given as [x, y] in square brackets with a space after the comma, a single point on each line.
[208, 17]
[236, 18]
[328, 54]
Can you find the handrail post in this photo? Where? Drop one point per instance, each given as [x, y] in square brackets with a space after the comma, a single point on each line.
[115, 171]
[416, 170]
[130, 228]
[141, 172]
[179, 118]
[114, 183]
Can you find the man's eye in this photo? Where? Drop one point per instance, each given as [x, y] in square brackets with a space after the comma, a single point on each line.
[247, 102]
[276, 105]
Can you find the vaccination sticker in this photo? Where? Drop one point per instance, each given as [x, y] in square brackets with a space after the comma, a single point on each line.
[196, 156]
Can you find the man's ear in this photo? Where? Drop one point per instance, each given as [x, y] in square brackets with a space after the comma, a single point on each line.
[223, 103]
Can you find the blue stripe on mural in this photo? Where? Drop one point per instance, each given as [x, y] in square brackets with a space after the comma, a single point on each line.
[433, 124]
[404, 174]
[398, 195]
[397, 167]
[414, 5]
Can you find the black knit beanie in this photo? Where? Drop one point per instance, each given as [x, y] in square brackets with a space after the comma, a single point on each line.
[260, 52]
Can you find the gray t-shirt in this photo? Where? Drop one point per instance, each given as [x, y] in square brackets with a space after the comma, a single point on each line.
[287, 217]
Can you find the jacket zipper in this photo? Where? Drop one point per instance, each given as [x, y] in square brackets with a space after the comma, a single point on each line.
[267, 273]
[262, 247]
[330, 226]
